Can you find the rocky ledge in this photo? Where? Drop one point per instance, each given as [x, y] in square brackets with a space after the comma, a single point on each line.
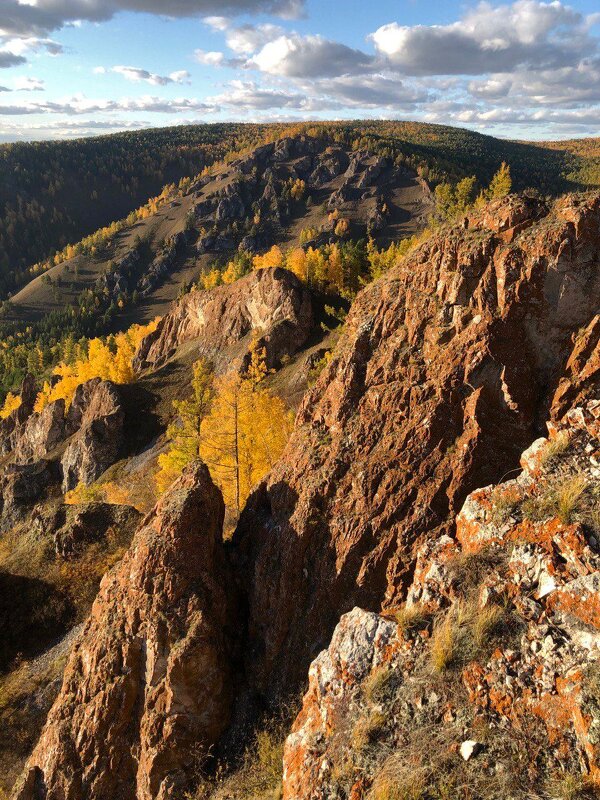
[493, 660]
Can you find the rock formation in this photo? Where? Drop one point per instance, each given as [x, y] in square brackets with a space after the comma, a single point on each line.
[512, 608]
[100, 436]
[445, 373]
[271, 303]
[148, 684]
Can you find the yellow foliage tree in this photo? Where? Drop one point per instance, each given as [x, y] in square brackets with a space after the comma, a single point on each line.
[109, 361]
[235, 424]
[11, 403]
[185, 433]
[272, 258]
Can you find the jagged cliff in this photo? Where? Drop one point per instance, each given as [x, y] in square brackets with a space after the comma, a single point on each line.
[447, 369]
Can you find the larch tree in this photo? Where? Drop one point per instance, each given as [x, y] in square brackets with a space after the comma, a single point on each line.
[185, 432]
[245, 432]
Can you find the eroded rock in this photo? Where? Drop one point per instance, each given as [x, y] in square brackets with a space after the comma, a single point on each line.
[148, 683]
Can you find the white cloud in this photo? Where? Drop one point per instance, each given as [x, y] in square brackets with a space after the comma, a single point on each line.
[297, 56]
[528, 33]
[82, 105]
[136, 75]
[27, 84]
[210, 58]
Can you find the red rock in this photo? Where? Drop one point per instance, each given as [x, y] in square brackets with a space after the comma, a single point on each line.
[148, 683]
[271, 303]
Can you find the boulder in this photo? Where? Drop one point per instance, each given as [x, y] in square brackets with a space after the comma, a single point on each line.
[148, 684]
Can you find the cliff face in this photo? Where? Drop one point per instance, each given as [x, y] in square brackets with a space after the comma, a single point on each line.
[445, 373]
[271, 303]
[493, 660]
[148, 684]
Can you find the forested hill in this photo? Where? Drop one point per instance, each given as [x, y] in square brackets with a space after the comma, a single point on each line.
[55, 193]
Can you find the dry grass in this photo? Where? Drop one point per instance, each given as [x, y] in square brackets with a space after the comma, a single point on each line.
[465, 632]
[572, 787]
[380, 684]
[554, 450]
[469, 570]
[505, 501]
[259, 774]
[569, 494]
[368, 730]
[409, 617]
[563, 499]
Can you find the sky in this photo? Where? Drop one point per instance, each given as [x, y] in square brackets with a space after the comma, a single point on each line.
[523, 70]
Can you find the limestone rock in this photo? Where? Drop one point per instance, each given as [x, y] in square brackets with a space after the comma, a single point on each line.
[148, 683]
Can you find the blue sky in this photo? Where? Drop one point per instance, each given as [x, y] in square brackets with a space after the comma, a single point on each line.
[521, 69]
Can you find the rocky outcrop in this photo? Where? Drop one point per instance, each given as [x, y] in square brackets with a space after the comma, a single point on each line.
[93, 522]
[510, 610]
[147, 687]
[21, 486]
[11, 427]
[271, 303]
[446, 371]
[99, 440]
[42, 433]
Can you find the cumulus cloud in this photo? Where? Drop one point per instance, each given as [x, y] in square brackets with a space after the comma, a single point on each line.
[244, 95]
[136, 75]
[210, 58]
[528, 33]
[297, 56]
[244, 39]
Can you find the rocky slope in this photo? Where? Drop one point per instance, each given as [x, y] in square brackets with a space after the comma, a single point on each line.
[447, 370]
[445, 373]
[493, 658]
[244, 205]
[149, 680]
[270, 304]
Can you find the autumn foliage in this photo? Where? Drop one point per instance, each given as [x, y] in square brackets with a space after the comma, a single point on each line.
[233, 423]
[109, 360]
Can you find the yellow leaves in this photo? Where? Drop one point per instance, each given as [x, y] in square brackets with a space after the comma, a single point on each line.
[109, 361]
[243, 436]
[210, 279]
[342, 227]
[238, 427]
[11, 403]
[272, 258]
[297, 189]
[296, 263]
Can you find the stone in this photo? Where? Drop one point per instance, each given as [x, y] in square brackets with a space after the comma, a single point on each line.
[149, 682]
[99, 440]
[270, 302]
[469, 748]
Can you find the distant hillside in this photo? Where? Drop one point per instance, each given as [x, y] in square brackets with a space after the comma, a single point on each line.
[55, 193]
